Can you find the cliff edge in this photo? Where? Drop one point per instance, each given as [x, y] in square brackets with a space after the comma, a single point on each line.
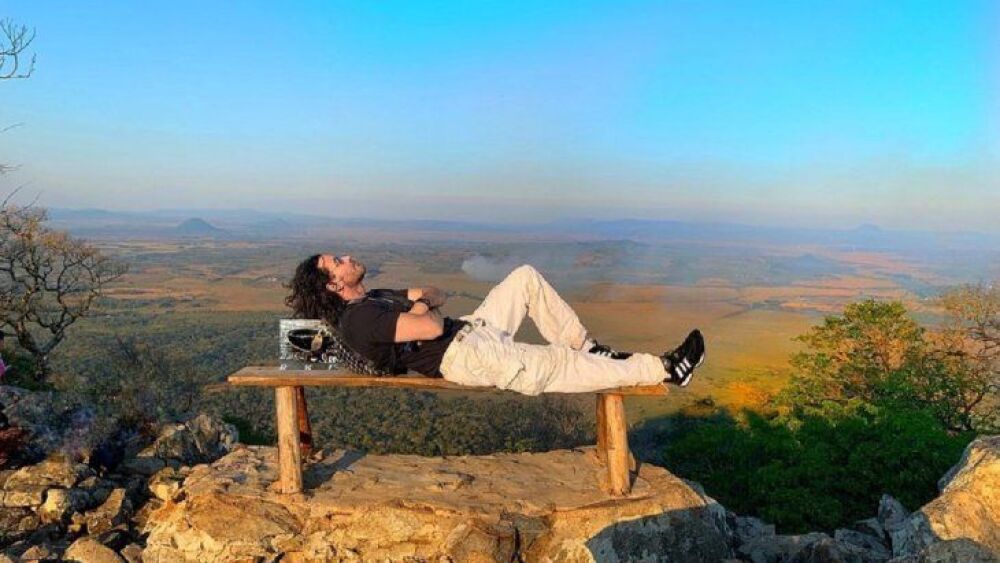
[503, 507]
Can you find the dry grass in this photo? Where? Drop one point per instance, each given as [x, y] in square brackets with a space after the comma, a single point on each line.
[749, 330]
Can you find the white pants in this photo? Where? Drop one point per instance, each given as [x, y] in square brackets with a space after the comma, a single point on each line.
[485, 353]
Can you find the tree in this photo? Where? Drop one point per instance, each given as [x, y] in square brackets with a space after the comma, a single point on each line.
[48, 280]
[874, 352]
[972, 335]
[14, 43]
[140, 384]
[855, 355]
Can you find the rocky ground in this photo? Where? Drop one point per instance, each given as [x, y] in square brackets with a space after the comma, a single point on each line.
[195, 494]
[536, 507]
[63, 509]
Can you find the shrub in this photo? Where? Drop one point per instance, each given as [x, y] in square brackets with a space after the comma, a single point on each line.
[12, 440]
[818, 468]
[876, 353]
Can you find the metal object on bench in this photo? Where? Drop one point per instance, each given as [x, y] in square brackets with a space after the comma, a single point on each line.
[295, 436]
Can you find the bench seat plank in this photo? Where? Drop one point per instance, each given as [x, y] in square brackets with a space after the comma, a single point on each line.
[272, 376]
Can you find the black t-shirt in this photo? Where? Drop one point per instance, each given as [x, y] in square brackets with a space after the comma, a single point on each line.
[369, 328]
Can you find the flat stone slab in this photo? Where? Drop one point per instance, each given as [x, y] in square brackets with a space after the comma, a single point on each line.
[544, 506]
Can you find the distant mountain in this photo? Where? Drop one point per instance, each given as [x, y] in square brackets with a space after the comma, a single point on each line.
[197, 227]
[251, 224]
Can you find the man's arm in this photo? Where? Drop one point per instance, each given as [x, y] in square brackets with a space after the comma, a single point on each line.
[434, 296]
[421, 323]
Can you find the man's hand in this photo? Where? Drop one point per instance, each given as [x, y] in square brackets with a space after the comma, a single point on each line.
[434, 296]
[420, 308]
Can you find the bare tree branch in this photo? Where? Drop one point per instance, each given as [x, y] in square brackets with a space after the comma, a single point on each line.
[48, 280]
[14, 41]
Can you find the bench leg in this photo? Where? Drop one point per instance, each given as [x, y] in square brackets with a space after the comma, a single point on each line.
[305, 429]
[602, 430]
[615, 452]
[289, 454]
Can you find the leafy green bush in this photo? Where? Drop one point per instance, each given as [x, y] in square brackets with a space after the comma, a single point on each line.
[875, 352]
[21, 372]
[818, 468]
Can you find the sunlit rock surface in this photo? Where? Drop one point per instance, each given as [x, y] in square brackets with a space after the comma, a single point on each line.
[538, 507]
[968, 507]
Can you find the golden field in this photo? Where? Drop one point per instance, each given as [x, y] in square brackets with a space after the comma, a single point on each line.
[749, 329]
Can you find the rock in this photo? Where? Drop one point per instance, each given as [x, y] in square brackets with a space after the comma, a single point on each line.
[45, 533]
[4, 475]
[828, 550]
[968, 507]
[12, 523]
[77, 523]
[53, 472]
[875, 546]
[871, 527]
[26, 495]
[961, 550]
[47, 417]
[143, 513]
[89, 483]
[891, 513]
[901, 530]
[774, 549]
[132, 553]
[913, 535]
[89, 550]
[982, 454]
[116, 538]
[532, 507]
[43, 552]
[121, 444]
[61, 503]
[166, 484]
[96, 489]
[747, 528]
[136, 490]
[199, 440]
[115, 510]
[142, 465]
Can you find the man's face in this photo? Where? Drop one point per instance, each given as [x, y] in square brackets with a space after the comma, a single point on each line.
[344, 271]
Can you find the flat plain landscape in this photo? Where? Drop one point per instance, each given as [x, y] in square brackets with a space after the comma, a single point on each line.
[750, 298]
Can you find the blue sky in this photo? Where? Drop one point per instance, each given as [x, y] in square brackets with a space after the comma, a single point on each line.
[832, 113]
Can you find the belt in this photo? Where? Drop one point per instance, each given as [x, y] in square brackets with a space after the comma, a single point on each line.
[469, 325]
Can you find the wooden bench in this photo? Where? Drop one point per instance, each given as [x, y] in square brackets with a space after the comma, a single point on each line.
[295, 434]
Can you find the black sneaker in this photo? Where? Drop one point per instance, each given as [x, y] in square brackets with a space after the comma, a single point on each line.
[608, 352]
[681, 361]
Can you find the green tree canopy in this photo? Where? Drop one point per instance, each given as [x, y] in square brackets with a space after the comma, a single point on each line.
[876, 353]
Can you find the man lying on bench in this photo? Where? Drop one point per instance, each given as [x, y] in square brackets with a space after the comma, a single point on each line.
[400, 330]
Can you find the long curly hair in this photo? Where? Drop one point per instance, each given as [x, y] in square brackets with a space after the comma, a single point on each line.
[309, 297]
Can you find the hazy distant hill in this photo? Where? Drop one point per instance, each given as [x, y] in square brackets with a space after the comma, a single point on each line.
[197, 227]
[962, 253]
